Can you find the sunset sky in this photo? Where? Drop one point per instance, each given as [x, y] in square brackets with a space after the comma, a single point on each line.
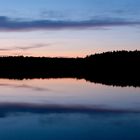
[68, 28]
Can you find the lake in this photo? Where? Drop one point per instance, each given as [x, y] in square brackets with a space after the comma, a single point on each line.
[68, 109]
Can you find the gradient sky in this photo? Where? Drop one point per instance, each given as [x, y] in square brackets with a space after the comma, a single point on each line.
[68, 28]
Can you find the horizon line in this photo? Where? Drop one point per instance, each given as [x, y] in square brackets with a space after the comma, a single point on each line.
[86, 55]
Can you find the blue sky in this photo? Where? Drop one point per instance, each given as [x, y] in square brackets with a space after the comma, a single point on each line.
[71, 27]
[70, 8]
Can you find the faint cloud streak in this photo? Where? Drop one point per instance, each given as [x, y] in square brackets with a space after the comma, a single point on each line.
[24, 48]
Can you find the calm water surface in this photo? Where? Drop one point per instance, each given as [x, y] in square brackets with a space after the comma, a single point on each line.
[69, 109]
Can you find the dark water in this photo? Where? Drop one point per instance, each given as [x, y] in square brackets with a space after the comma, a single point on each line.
[68, 109]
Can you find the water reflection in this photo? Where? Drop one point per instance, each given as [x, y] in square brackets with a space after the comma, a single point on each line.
[70, 126]
[67, 109]
[69, 93]
[23, 86]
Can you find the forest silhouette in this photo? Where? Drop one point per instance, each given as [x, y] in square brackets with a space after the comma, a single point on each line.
[117, 68]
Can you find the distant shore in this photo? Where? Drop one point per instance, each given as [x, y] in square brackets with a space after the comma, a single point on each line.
[118, 68]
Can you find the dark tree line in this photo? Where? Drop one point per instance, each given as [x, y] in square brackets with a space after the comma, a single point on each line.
[120, 68]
